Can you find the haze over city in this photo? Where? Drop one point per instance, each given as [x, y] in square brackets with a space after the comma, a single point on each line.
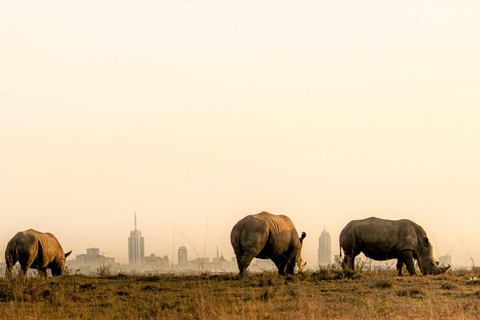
[195, 114]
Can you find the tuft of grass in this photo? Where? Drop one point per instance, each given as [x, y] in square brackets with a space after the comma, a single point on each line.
[383, 284]
[448, 286]
[104, 272]
[412, 292]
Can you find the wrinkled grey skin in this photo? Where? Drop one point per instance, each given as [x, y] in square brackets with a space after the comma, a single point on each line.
[36, 250]
[267, 236]
[381, 239]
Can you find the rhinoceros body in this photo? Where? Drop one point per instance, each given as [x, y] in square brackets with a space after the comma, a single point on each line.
[34, 249]
[267, 236]
[381, 239]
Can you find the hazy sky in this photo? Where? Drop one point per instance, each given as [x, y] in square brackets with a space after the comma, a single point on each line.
[197, 113]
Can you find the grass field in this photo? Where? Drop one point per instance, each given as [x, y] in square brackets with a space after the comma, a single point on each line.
[327, 294]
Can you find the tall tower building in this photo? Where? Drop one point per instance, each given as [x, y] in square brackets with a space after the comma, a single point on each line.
[182, 255]
[136, 248]
[324, 249]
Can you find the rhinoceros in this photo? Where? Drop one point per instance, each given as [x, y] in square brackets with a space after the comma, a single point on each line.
[267, 236]
[381, 239]
[38, 250]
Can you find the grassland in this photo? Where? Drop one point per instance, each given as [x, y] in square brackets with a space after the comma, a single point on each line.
[327, 294]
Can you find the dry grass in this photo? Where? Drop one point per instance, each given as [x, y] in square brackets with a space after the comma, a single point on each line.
[327, 294]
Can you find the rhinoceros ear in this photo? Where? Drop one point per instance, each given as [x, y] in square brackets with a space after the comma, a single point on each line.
[303, 236]
[68, 253]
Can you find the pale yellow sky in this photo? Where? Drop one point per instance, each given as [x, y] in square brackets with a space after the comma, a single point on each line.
[197, 113]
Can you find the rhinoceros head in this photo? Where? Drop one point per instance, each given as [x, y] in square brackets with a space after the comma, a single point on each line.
[426, 262]
[58, 269]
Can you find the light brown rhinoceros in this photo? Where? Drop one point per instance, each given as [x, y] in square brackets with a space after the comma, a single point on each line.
[381, 239]
[38, 250]
[267, 236]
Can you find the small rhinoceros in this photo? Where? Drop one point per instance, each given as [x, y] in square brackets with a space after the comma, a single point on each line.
[36, 250]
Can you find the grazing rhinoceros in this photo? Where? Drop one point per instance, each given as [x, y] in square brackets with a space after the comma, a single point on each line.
[38, 250]
[381, 239]
[267, 236]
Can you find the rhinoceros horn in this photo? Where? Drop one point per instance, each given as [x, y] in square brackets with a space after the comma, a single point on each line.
[443, 269]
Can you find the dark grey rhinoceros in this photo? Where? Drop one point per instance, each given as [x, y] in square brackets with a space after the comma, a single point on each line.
[381, 239]
[267, 236]
[37, 250]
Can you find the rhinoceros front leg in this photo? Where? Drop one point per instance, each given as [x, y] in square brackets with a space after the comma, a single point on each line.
[407, 258]
[281, 263]
[42, 272]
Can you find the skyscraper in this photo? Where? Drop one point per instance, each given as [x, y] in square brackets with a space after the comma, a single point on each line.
[182, 255]
[324, 249]
[136, 248]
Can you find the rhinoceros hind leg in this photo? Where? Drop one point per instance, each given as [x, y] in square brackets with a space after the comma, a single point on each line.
[348, 262]
[9, 271]
[10, 262]
[400, 266]
[24, 269]
[244, 262]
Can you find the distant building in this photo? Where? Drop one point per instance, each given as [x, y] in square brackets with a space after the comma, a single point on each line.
[324, 249]
[182, 255]
[201, 264]
[136, 248]
[445, 260]
[219, 258]
[90, 262]
[218, 265]
[153, 262]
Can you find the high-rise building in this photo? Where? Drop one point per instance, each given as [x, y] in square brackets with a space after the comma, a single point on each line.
[136, 248]
[324, 249]
[182, 255]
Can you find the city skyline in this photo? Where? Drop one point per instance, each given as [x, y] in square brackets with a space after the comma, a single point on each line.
[196, 114]
[136, 239]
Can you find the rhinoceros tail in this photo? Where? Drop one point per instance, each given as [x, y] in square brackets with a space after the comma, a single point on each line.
[235, 236]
